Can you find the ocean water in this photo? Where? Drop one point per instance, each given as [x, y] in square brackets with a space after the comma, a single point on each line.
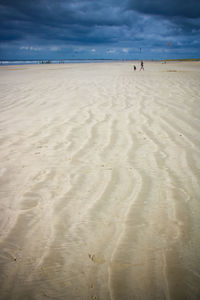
[65, 61]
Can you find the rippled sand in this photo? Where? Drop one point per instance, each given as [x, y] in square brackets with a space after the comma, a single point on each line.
[100, 182]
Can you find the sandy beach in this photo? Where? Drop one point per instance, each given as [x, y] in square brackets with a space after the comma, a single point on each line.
[100, 181]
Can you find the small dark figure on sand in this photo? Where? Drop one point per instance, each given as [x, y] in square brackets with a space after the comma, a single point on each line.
[142, 66]
[134, 68]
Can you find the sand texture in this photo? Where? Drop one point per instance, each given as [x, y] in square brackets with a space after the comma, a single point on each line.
[100, 182]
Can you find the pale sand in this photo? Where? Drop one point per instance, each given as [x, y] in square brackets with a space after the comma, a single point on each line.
[100, 189]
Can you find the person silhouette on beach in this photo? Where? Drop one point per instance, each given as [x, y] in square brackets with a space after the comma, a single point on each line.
[142, 66]
[134, 68]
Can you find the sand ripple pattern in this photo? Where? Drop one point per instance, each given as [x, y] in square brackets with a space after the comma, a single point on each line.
[100, 182]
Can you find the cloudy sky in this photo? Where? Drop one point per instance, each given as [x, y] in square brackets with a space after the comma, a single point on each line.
[109, 29]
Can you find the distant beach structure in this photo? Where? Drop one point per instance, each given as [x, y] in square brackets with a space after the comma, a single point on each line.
[45, 62]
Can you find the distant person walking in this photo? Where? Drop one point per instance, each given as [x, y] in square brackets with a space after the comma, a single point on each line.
[142, 66]
[134, 68]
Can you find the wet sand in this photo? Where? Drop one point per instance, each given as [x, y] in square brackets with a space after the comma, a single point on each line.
[100, 181]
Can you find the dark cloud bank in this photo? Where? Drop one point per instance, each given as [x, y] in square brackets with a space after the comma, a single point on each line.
[99, 29]
[167, 8]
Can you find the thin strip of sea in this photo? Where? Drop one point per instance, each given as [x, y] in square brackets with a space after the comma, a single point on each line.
[66, 61]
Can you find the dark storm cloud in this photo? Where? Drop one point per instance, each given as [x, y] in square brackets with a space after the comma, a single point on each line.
[183, 16]
[168, 8]
[75, 20]
[59, 19]
[33, 24]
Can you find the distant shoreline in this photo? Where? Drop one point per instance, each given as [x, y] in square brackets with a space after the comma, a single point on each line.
[73, 61]
[182, 59]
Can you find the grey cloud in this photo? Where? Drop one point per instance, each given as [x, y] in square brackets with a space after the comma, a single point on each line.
[168, 8]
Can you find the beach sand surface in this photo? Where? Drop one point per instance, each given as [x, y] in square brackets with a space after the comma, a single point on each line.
[100, 181]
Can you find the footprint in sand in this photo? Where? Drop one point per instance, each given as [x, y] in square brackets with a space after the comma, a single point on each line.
[9, 252]
[30, 201]
[96, 259]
